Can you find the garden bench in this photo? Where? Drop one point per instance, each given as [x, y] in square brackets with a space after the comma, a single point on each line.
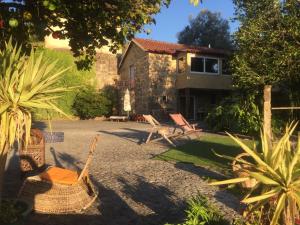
[118, 118]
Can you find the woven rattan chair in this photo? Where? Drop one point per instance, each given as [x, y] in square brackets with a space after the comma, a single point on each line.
[59, 190]
[163, 131]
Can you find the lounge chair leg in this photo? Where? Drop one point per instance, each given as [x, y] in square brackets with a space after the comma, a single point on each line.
[165, 137]
[149, 137]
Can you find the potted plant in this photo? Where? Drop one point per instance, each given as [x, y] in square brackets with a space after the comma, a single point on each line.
[26, 82]
[276, 168]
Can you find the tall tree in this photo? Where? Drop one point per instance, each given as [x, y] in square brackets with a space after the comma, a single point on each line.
[267, 46]
[207, 29]
[88, 24]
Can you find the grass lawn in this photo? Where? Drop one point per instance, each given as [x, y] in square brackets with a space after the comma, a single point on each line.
[200, 152]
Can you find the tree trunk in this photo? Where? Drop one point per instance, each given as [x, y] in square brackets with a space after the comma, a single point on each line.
[267, 112]
[289, 212]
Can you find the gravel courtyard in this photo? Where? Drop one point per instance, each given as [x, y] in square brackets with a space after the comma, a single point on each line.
[133, 187]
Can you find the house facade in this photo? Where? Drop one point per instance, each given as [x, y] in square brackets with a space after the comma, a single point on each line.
[166, 77]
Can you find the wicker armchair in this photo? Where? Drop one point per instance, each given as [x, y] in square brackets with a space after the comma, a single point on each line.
[59, 190]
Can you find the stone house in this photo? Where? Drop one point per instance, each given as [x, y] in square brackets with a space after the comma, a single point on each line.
[166, 77]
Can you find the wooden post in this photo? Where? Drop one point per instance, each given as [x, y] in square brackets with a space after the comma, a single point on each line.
[267, 112]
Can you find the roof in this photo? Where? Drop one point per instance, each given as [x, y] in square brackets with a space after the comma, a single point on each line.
[161, 47]
[172, 48]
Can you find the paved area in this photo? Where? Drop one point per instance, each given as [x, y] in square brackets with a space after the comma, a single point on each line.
[134, 188]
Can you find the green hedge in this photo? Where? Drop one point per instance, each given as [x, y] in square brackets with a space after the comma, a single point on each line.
[70, 78]
[90, 103]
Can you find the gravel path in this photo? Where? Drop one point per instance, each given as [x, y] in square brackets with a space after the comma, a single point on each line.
[134, 188]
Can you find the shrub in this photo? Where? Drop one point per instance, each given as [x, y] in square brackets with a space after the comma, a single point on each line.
[70, 78]
[89, 104]
[200, 212]
[237, 115]
[111, 93]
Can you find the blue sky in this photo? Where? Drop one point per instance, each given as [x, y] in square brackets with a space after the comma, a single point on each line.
[173, 19]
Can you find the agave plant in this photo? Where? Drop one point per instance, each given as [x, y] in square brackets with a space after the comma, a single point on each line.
[277, 171]
[26, 82]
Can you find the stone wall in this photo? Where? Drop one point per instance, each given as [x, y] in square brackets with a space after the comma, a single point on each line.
[162, 73]
[106, 70]
[139, 94]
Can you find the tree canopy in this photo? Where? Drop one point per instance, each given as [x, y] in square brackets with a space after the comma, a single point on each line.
[207, 28]
[88, 24]
[268, 47]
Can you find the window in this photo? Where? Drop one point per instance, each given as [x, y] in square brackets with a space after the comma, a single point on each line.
[205, 65]
[212, 65]
[180, 65]
[131, 76]
[197, 64]
[164, 99]
[226, 67]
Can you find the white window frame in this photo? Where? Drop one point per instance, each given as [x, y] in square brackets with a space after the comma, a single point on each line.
[204, 66]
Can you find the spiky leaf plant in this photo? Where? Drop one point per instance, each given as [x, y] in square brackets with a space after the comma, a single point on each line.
[26, 82]
[277, 169]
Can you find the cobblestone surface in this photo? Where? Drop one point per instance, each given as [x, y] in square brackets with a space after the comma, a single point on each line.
[134, 188]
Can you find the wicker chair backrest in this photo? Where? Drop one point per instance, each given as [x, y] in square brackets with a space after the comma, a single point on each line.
[92, 148]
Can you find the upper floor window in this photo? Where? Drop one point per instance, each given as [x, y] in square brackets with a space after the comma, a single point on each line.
[131, 76]
[211, 65]
[180, 65]
[205, 65]
[197, 64]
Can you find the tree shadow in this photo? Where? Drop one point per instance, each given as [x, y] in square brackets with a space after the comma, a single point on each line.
[222, 195]
[134, 135]
[117, 209]
[12, 178]
[205, 149]
[156, 199]
[66, 158]
[199, 170]
[230, 200]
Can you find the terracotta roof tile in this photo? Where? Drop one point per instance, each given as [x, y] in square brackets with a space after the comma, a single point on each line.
[172, 48]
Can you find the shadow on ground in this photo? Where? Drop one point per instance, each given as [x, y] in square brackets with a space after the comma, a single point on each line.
[134, 135]
[111, 209]
[153, 204]
[39, 125]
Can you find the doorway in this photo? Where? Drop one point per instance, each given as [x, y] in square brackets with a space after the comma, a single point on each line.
[188, 111]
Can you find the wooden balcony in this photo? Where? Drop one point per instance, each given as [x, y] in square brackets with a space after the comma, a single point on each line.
[204, 81]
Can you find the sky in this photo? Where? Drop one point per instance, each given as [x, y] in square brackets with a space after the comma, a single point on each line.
[173, 19]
